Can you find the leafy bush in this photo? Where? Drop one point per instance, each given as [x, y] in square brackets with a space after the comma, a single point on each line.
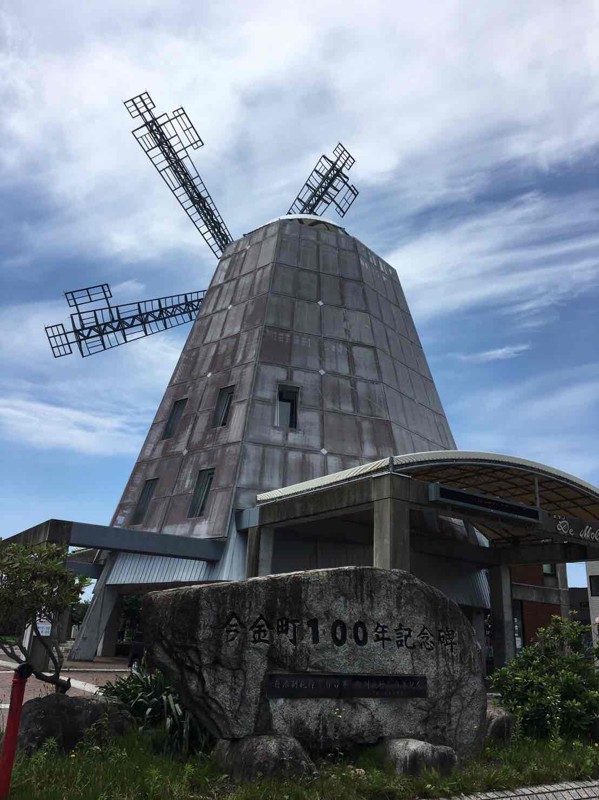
[552, 686]
[154, 702]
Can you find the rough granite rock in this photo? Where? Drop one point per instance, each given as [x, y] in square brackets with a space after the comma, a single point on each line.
[218, 644]
[500, 724]
[67, 719]
[412, 757]
[262, 756]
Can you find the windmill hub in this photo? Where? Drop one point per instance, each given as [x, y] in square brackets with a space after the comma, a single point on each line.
[310, 219]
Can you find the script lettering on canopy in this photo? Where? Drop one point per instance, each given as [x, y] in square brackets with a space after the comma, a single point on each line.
[573, 531]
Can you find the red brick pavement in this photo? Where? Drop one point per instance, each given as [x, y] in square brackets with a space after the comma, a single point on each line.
[91, 673]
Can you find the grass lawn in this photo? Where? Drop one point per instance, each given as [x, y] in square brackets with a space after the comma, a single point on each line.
[130, 769]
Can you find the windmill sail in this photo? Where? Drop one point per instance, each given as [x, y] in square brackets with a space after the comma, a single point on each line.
[96, 329]
[327, 184]
[166, 141]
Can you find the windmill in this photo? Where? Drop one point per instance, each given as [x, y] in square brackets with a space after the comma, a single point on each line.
[167, 140]
[303, 360]
[303, 363]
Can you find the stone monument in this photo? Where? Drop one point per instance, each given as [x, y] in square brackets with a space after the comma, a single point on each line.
[321, 661]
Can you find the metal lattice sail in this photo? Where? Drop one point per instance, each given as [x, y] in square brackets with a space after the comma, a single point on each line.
[166, 140]
[327, 184]
[107, 326]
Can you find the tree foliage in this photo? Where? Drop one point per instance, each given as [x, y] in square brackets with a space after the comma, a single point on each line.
[35, 585]
[552, 686]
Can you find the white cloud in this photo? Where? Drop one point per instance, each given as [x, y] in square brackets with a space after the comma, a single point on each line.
[49, 427]
[525, 257]
[438, 94]
[98, 406]
[550, 418]
[499, 354]
[435, 100]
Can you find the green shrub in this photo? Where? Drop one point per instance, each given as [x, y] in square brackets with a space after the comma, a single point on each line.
[552, 686]
[152, 700]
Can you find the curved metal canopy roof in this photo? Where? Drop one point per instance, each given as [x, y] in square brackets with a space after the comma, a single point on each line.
[506, 477]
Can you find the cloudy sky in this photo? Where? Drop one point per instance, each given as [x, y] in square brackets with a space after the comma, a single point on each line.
[475, 127]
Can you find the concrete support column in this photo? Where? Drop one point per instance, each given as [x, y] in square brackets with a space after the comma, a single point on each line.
[96, 619]
[265, 550]
[259, 553]
[252, 553]
[562, 582]
[107, 645]
[391, 543]
[478, 623]
[504, 645]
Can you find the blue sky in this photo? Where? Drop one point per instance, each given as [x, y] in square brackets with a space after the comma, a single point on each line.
[475, 127]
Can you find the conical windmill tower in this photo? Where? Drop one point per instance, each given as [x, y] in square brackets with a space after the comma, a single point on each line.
[302, 361]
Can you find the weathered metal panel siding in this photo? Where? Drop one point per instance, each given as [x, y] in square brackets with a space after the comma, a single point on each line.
[308, 307]
[338, 327]
[221, 350]
[136, 569]
[133, 568]
[463, 583]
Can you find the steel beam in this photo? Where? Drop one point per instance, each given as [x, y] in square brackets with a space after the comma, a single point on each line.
[125, 540]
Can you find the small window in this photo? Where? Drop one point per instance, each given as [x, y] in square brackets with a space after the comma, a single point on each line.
[223, 407]
[549, 570]
[144, 501]
[174, 418]
[594, 584]
[287, 406]
[200, 492]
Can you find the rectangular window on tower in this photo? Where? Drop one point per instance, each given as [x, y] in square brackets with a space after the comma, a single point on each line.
[144, 501]
[200, 493]
[174, 418]
[287, 406]
[223, 407]
[594, 585]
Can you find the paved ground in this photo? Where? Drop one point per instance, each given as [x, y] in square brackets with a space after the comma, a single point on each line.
[557, 791]
[85, 679]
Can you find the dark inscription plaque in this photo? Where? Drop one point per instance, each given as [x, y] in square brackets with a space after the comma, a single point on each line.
[314, 684]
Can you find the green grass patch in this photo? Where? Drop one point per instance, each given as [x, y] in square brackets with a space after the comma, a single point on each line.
[132, 769]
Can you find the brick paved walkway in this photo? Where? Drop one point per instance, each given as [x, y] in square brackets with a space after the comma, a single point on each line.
[583, 790]
[85, 676]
